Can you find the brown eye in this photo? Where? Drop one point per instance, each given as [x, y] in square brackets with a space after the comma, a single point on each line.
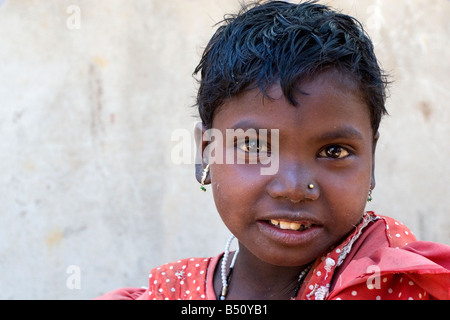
[252, 146]
[335, 152]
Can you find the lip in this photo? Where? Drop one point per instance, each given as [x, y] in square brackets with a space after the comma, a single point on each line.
[289, 237]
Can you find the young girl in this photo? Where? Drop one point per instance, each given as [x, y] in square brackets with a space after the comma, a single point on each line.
[308, 77]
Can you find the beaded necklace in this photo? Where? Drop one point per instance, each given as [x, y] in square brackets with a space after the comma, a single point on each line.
[226, 277]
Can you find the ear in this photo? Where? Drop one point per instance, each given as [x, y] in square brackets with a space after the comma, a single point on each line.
[374, 146]
[200, 163]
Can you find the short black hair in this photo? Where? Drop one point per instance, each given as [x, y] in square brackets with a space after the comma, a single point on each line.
[270, 41]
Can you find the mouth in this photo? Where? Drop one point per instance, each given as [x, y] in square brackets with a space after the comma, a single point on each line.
[291, 225]
[291, 232]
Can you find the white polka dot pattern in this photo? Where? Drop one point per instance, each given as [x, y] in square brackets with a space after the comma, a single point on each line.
[181, 280]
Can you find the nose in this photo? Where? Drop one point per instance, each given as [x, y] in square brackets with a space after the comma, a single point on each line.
[294, 182]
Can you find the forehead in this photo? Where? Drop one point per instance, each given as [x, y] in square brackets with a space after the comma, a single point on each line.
[330, 98]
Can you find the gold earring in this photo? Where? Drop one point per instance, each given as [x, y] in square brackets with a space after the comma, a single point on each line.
[204, 175]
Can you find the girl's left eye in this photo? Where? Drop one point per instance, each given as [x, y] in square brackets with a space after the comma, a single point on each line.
[335, 152]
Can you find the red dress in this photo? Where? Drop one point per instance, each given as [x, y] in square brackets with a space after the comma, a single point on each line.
[380, 260]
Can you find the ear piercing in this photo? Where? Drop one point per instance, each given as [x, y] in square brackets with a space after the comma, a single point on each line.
[204, 175]
[369, 197]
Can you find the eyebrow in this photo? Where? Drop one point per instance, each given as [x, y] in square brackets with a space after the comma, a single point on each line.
[245, 124]
[342, 133]
[345, 132]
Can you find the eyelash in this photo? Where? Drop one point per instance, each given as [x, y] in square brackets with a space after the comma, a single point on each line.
[244, 146]
[325, 152]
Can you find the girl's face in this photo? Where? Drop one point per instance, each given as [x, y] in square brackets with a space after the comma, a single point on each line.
[326, 142]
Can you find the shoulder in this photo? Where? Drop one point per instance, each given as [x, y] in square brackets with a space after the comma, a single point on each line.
[180, 280]
[397, 234]
[389, 263]
[124, 294]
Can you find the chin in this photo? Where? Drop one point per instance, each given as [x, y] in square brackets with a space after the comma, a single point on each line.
[290, 257]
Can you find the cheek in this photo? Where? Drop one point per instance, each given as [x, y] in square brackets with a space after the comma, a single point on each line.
[346, 198]
[235, 190]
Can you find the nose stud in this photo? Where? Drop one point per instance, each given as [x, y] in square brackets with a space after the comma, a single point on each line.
[310, 187]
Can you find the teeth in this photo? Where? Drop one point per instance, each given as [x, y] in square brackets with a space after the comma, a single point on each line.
[304, 228]
[285, 225]
[290, 225]
[295, 226]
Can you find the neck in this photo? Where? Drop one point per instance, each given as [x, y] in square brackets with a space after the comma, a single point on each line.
[253, 278]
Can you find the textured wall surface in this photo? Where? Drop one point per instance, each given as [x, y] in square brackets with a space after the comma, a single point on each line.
[90, 94]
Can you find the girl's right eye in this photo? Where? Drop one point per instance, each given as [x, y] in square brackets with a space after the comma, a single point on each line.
[252, 146]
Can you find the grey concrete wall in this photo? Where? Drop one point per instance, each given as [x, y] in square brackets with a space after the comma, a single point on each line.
[90, 94]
